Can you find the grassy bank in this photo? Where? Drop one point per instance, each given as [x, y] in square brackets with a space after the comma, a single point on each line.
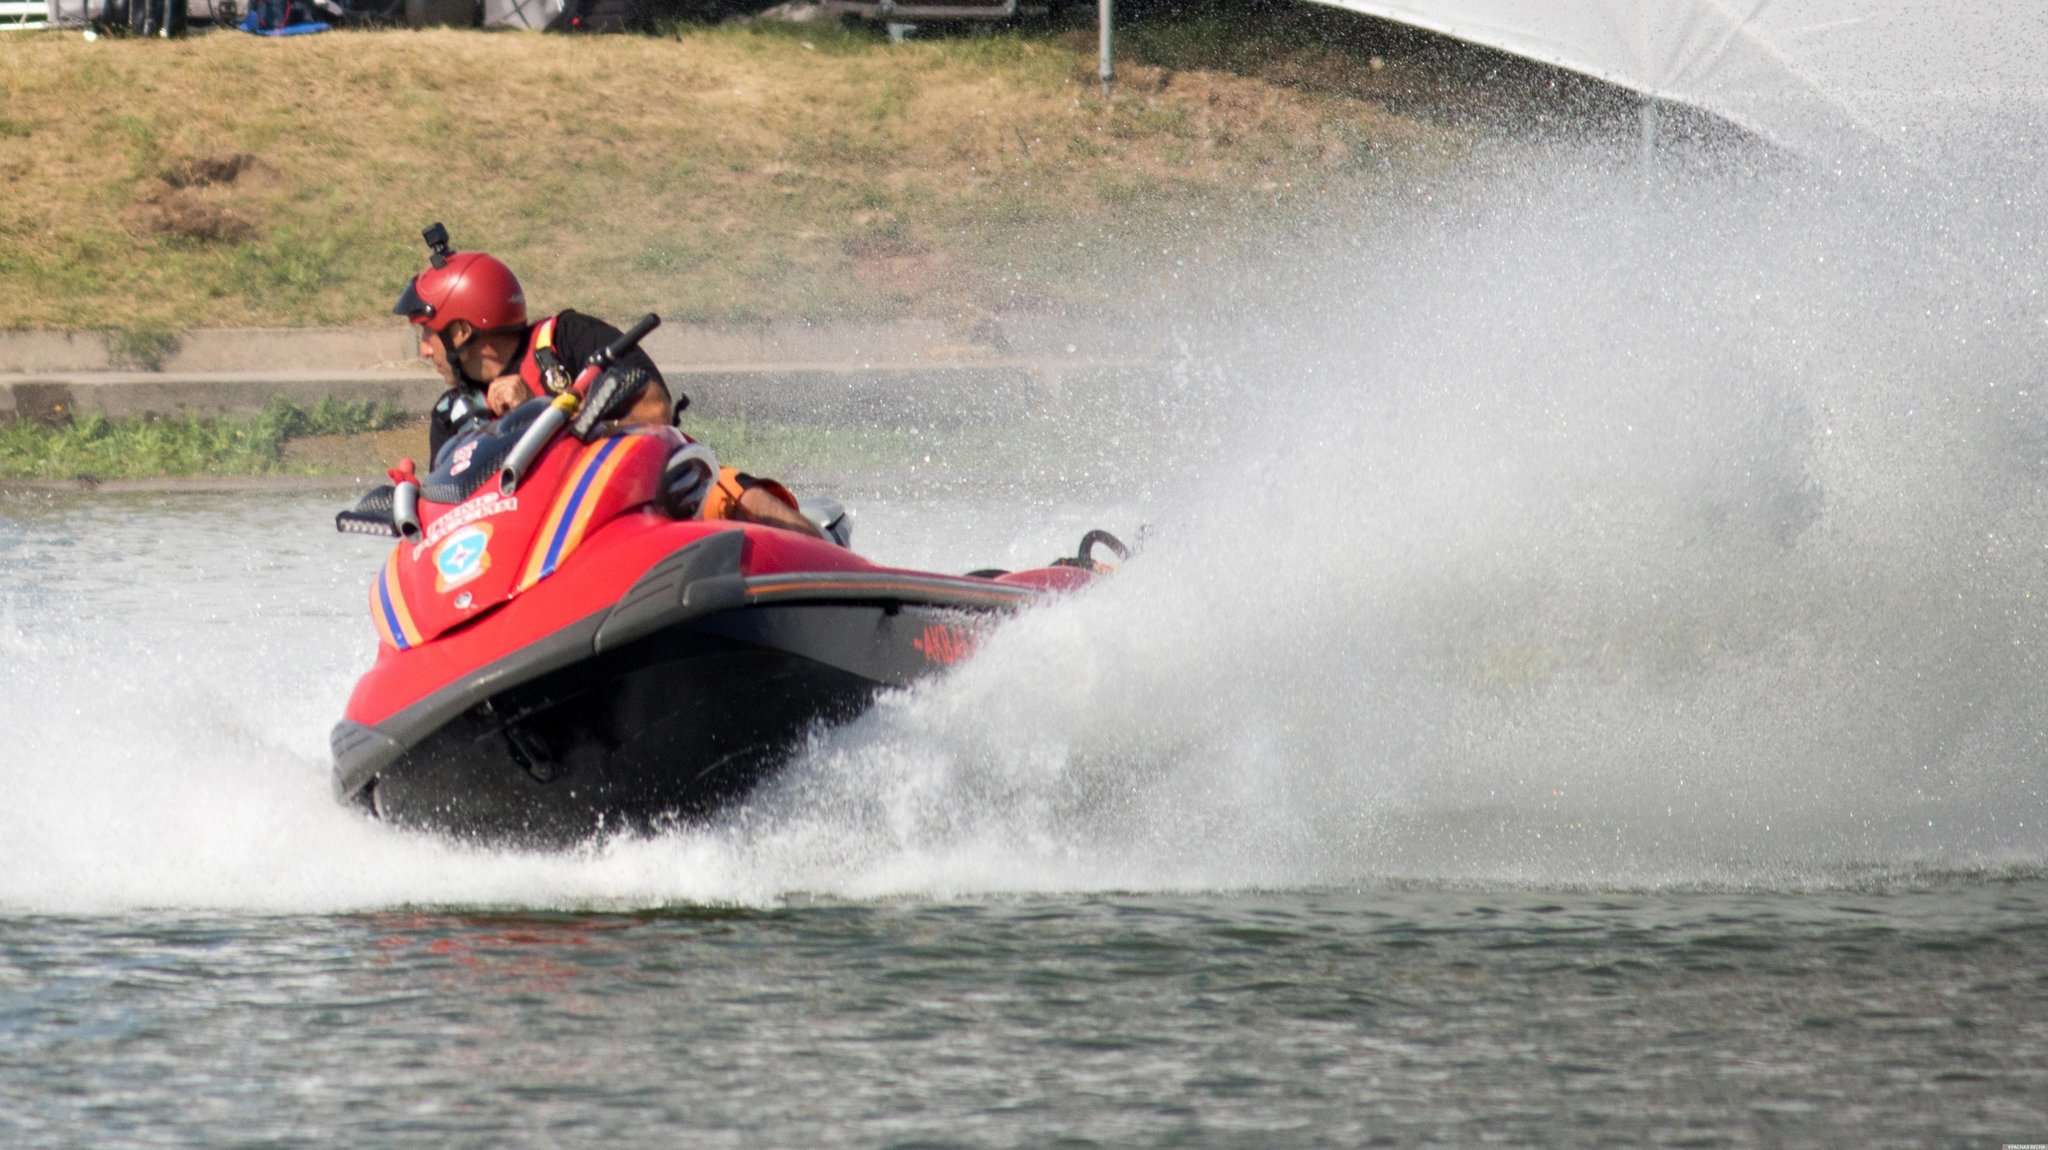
[711, 173]
[99, 448]
[361, 440]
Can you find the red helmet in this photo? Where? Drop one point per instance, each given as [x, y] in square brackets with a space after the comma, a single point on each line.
[467, 286]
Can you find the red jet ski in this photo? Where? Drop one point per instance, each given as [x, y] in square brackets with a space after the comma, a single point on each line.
[565, 651]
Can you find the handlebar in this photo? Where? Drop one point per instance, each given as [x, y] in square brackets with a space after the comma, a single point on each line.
[564, 408]
[627, 341]
[613, 352]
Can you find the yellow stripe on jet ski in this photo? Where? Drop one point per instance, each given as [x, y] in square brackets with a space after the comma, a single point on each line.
[562, 531]
[536, 562]
[606, 469]
[387, 606]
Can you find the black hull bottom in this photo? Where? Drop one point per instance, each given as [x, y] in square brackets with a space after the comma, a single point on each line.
[668, 728]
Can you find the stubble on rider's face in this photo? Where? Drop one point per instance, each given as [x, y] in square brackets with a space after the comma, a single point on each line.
[432, 351]
[483, 357]
[488, 356]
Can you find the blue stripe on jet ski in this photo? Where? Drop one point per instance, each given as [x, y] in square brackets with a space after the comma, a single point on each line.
[390, 613]
[568, 520]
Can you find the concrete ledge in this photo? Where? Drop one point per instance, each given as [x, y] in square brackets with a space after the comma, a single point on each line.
[904, 373]
[274, 350]
[880, 394]
[137, 394]
[391, 347]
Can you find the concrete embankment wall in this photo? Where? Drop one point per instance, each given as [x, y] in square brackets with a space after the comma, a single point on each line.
[836, 373]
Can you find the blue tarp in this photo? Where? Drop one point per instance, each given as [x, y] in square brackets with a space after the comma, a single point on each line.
[251, 24]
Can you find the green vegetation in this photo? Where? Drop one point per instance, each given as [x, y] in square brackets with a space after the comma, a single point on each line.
[101, 448]
[141, 350]
[289, 439]
[726, 173]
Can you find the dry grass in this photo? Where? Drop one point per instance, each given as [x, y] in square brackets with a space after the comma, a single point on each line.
[710, 173]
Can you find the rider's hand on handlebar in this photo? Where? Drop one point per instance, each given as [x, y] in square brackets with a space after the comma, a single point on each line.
[506, 392]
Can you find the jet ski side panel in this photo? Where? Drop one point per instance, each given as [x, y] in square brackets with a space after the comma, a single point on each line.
[701, 578]
[669, 727]
[656, 733]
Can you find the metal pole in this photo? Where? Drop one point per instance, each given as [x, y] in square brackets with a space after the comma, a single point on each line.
[1648, 154]
[1105, 21]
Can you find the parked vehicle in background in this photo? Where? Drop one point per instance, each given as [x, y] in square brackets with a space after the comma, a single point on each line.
[541, 15]
[24, 14]
[167, 17]
[142, 17]
[170, 17]
[578, 15]
[905, 11]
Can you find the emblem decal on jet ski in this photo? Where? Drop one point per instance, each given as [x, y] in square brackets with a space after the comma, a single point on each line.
[466, 555]
[481, 507]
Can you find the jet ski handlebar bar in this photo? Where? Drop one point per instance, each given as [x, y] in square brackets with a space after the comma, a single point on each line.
[565, 406]
[604, 357]
[539, 434]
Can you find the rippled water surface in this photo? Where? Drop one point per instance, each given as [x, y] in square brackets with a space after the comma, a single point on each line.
[1303, 1019]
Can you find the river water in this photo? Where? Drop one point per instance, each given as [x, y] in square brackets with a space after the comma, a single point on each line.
[197, 947]
[1582, 687]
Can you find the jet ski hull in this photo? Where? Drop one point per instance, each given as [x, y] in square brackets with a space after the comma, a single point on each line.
[666, 706]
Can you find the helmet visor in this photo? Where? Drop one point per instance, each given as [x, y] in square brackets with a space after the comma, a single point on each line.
[411, 305]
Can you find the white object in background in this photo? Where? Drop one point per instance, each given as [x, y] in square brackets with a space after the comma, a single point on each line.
[1822, 77]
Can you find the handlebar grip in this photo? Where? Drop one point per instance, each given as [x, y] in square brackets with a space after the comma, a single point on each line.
[631, 338]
